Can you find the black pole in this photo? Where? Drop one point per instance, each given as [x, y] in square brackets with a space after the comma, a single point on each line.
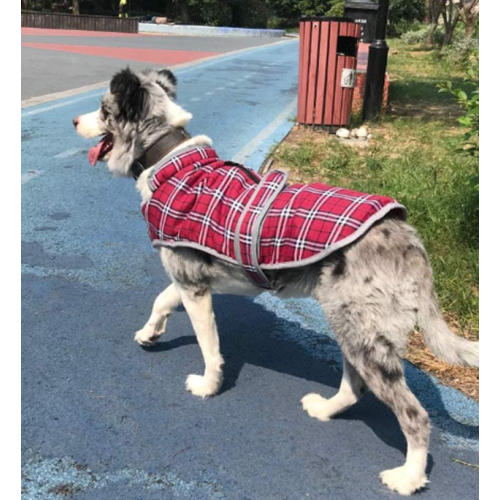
[377, 65]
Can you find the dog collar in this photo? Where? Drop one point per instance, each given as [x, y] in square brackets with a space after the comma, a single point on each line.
[158, 150]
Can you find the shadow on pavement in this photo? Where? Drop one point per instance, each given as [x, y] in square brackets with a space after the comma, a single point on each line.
[248, 339]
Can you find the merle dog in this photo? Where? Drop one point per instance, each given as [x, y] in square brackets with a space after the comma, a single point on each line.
[373, 291]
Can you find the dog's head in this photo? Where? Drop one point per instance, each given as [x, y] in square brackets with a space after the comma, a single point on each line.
[137, 109]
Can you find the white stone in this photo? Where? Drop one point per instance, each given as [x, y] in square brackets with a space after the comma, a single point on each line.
[362, 132]
[354, 132]
[343, 133]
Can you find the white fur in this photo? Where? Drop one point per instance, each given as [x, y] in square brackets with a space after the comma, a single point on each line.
[164, 304]
[324, 409]
[202, 317]
[177, 117]
[410, 477]
[90, 125]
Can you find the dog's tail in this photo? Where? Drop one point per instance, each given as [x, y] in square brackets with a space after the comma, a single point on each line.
[440, 340]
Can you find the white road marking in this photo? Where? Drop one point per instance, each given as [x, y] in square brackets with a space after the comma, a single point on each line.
[69, 152]
[247, 151]
[34, 101]
[29, 175]
[60, 104]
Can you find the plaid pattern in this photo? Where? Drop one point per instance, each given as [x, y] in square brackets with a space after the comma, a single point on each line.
[219, 207]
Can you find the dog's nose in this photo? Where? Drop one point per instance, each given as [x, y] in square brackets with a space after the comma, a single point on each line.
[76, 121]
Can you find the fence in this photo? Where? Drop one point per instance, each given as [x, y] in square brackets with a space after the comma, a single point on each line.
[54, 20]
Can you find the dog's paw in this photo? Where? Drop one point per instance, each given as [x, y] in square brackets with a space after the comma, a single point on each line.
[316, 406]
[203, 386]
[147, 336]
[403, 481]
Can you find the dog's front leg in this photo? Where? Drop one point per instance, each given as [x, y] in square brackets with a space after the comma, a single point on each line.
[164, 304]
[198, 305]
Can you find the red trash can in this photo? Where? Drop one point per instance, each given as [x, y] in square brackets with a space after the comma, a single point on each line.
[327, 70]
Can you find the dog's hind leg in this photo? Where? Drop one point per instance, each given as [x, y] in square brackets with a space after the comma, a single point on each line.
[376, 357]
[351, 389]
[198, 305]
[164, 305]
[382, 369]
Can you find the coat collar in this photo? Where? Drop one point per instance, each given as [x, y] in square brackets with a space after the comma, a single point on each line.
[162, 147]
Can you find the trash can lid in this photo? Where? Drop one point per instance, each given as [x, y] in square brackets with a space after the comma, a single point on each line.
[337, 19]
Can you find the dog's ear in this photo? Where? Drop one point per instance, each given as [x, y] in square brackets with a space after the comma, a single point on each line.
[168, 82]
[130, 95]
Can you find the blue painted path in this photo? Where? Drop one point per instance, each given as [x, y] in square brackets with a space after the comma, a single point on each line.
[104, 419]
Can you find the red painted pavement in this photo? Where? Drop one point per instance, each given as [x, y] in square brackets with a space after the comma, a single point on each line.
[77, 33]
[155, 56]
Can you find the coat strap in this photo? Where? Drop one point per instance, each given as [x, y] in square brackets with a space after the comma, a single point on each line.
[248, 230]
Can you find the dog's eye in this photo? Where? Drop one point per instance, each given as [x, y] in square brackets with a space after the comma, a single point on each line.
[105, 113]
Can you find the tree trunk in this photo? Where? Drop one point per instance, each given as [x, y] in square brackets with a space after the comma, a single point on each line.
[469, 28]
[435, 11]
[432, 30]
[76, 6]
[469, 13]
[450, 19]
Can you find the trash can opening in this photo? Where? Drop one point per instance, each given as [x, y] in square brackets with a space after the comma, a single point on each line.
[347, 46]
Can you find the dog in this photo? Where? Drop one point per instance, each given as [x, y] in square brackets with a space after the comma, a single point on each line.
[373, 291]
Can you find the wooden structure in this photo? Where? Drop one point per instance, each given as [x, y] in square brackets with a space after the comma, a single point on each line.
[327, 65]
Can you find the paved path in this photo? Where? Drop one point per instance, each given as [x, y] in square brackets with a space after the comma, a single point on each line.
[57, 60]
[104, 419]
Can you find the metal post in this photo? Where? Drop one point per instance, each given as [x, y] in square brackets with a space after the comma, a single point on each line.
[377, 65]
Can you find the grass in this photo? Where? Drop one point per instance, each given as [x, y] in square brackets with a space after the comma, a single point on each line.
[413, 158]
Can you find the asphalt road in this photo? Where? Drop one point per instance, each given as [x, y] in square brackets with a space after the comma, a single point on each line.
[104, 419]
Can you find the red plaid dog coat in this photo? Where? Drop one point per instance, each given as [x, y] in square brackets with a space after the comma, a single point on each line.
[226, 210]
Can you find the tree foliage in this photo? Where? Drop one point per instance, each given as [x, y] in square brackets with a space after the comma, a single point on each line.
[405, 11]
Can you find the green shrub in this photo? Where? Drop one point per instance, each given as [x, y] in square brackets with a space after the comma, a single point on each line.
[468, 98]
[250, 13]
[461, 52]
[421, 36]
[210, 12]
[402, 27]
[277, 23]
[405, 11]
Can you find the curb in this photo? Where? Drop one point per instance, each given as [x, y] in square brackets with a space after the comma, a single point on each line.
[180, 29]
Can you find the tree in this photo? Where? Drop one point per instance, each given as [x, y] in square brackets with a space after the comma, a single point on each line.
[468, 11]
[294, 9]
[405, 10]
[450, 17]
[435, 7]
[76, 6]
